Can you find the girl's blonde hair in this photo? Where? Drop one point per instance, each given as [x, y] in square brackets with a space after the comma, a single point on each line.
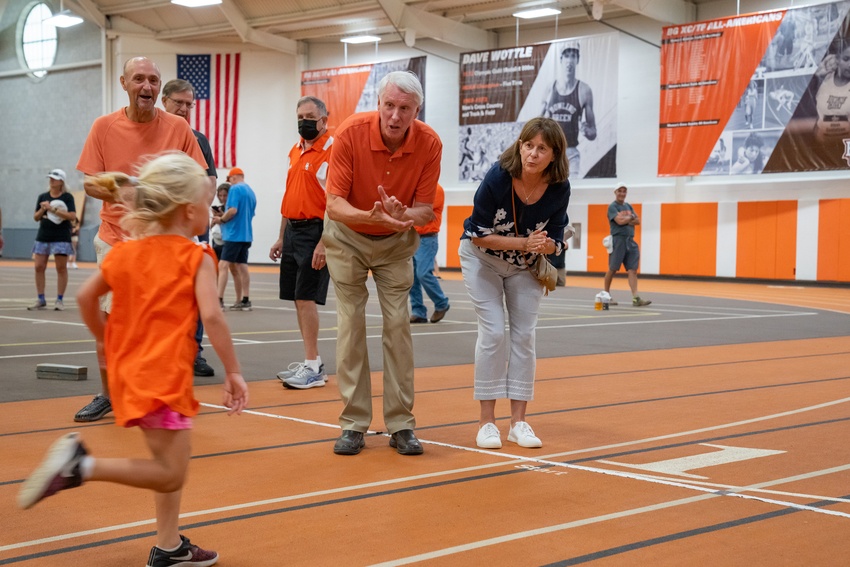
[164, 184]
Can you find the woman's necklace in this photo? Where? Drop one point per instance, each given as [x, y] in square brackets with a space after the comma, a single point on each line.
[528, 194]
[527, 197]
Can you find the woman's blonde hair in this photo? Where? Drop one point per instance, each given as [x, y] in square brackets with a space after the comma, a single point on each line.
[164, 184]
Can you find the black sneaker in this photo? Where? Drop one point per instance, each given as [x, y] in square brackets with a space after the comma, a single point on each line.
[59, 470]
[241, 306]
[202, 368]
[186, 555]
[95, 409]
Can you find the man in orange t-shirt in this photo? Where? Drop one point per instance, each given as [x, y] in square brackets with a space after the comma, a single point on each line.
[382, 179]
[119, 142]
[303, 273]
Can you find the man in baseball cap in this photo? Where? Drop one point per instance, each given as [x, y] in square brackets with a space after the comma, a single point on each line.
[237, 235]
[622, 219]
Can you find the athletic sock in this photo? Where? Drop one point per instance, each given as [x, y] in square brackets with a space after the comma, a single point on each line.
[314, 365]
[41, 298]
[59, 297]
[245, 299]
[86, 466]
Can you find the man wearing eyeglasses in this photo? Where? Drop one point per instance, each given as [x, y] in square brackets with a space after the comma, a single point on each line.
[178, 98]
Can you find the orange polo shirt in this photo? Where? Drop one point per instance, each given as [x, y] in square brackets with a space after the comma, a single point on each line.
[305, 197]
[150, 336]
[116, 143]
[434, 225]
[360, 162]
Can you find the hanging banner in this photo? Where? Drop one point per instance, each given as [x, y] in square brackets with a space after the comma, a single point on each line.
[572, 81]
[354, 88]
[757, 93]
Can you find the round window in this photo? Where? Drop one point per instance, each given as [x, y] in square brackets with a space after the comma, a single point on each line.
[36, 39]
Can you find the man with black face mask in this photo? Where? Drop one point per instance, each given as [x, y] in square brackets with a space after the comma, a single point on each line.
[303, 272]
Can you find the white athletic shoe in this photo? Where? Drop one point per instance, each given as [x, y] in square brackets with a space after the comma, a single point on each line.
[523, 435]
[489, 437]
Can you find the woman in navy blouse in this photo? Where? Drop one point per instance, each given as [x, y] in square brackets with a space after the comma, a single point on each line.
[529, 183]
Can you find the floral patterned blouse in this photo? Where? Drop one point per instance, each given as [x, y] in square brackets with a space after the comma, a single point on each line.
[492, 213]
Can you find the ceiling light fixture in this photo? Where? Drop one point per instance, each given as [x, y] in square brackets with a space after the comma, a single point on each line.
[196, 3]
[536, 13]
[63, 18]
[361, 39]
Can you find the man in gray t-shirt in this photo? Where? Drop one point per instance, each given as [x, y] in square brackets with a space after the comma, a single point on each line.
[623, 219]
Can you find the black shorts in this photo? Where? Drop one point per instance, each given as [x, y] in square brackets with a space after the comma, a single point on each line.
[235, 252]
[298, 280]
[626, 252]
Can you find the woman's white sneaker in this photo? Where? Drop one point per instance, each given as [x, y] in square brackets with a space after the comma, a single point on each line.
[489, 437]
[523, 435]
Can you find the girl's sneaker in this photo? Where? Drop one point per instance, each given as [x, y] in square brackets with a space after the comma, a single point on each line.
[59, 470]
[186, 555]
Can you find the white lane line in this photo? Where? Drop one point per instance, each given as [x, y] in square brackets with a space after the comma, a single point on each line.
[625, 513]
[788, 480]
[46, 354]
[701, 430]
[510, 459]
[31, 320]
[540, 531]
[238, 341]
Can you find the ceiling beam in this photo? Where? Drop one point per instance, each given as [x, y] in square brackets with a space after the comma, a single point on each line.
[566, 17]
[665, 11]
[137, 6]
[250, 35]
[88, 10]
[426, 24]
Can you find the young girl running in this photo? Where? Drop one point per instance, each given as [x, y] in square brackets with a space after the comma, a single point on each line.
[160, 281]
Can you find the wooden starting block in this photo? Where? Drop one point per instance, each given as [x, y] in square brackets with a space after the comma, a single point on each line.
[49, 371]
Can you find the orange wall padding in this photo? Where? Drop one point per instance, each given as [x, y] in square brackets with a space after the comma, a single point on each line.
[833, 240]
[455, 215]
[597, 229]
[688, 239]
[767, 240]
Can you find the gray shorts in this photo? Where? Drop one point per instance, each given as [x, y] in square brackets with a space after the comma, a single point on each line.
[626, 252]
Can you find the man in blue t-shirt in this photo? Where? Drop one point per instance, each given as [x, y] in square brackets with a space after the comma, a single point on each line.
[623, 249]
[237, 236]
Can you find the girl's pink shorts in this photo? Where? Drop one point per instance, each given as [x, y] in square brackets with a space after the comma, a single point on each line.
[162, 418]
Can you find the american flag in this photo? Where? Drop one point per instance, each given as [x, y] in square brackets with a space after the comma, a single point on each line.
[216, 82]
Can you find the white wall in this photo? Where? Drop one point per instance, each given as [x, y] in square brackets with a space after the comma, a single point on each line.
[266, 127]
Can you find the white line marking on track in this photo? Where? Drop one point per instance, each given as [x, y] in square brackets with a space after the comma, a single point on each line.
[31, 320]
[239, 341]
[510, 459]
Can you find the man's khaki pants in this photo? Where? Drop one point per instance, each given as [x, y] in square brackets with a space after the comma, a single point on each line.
[351, 256]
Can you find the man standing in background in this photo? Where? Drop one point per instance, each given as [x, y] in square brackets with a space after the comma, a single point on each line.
[423, 268]
[118, 142]
[178, 98]
[237, 234]
[622, 220]
[303, 270]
